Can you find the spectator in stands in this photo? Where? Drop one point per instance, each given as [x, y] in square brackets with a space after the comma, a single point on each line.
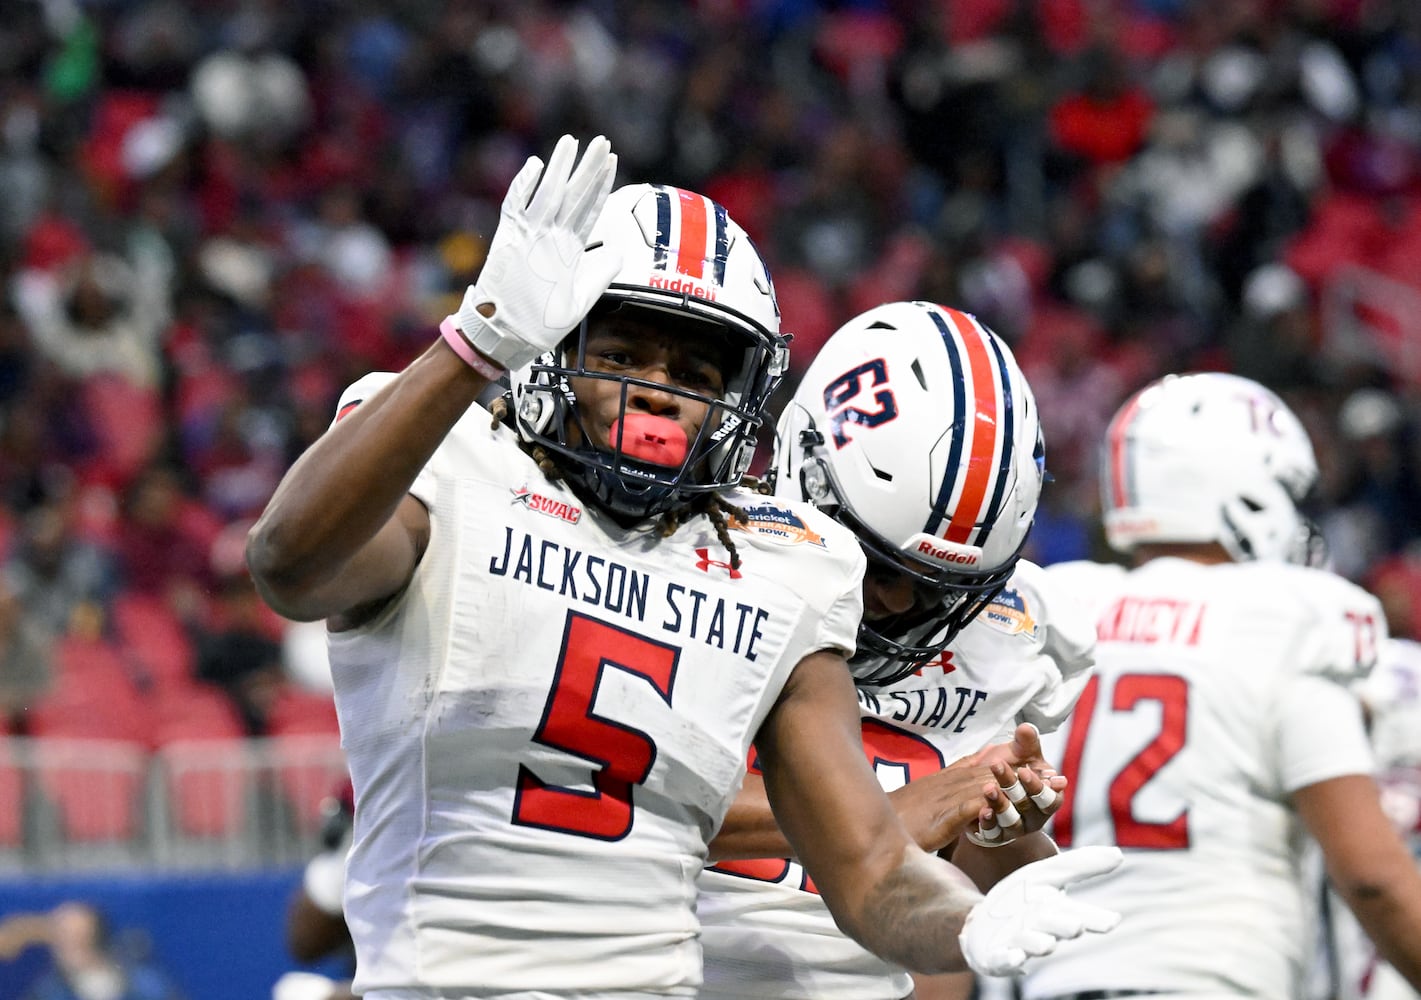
[87, 962]
[163, 549]
[239, 654]
[1382, 488]
[25, 650]
[55, 570]
[97, 314]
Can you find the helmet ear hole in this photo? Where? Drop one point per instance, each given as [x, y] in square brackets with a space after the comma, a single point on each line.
[815, 483]
[530, 410]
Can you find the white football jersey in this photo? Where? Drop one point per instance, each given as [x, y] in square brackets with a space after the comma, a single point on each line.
[1219, 690]
[547, 726]
[1393, 696]
[1024, 659]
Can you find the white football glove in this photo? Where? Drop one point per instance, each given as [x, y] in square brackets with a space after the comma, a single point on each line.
[323, 881]
[539, 276]
[303, 986]
[1027, 914]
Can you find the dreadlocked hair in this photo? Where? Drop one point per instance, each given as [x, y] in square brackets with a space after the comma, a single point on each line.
[498, 409]
[711, 505]
[716, 508]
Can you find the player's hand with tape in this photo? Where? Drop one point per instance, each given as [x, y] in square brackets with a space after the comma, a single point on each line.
[1028, 913]
[540, 278]
[1025, 792]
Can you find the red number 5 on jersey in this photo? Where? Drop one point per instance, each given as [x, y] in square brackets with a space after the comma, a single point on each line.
[622, 754]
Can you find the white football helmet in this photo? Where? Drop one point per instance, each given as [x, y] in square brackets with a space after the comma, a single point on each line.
[1209, 457]
[682, 257]
[915, 428]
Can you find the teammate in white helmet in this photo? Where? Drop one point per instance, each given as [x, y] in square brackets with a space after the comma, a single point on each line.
[915, 428]
[1220, 726]
[551, 648]
[1391, 698]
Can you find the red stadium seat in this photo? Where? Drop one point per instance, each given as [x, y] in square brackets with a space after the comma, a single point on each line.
[93, 696]
[209, 785]
[203, 758]
[306, 767]
[298, 712]
[12, 797]
[193, 711]
[95, 787]
[154, 639]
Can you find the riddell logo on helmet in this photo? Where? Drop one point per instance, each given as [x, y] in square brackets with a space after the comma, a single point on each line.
[927, 548]
[706, 292]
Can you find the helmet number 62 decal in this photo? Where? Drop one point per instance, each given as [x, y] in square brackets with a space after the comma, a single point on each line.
[839, 393]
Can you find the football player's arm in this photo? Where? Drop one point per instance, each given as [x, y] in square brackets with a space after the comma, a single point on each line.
[936, 809]
[948, 986]
[312, 933]
[1369, 865]
[342, 530]
[899, 902]
[986, 866]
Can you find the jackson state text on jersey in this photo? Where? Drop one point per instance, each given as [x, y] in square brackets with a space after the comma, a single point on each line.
[547, 726]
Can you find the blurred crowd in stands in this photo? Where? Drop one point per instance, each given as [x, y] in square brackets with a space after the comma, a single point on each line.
[215, 215]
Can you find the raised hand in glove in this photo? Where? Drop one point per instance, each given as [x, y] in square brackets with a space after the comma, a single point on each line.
[540, 277]
[1027, 913]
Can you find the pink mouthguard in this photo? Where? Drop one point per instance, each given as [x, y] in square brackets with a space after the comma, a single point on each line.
[649, 438]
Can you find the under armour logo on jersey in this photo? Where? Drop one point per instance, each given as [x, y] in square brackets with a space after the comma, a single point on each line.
[942, 660]
[705, 562]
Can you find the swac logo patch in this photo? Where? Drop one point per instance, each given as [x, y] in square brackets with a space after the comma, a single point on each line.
[705, 562]
[777, 524]
[559, 509]
[1008, 612]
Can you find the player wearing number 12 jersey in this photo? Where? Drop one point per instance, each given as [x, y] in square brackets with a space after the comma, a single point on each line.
[551, 648]
[914, 427]
[1219, 726]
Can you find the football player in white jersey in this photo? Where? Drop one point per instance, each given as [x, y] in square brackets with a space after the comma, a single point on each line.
[1391, 697]
[551, 650]
[915, 428]
[1220, 726]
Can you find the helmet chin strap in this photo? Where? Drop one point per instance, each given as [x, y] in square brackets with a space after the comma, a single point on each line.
[606, 488]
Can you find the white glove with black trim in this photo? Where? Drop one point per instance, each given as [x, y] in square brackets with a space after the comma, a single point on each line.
[539, 277]
[1027, 914]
